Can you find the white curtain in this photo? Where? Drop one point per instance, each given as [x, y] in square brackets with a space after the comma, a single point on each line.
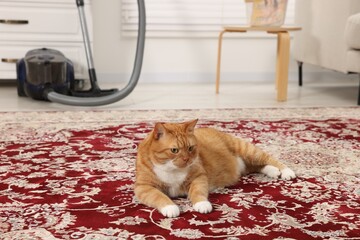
[188, 18]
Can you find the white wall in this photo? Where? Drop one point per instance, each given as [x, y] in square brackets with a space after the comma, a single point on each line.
[179, 60]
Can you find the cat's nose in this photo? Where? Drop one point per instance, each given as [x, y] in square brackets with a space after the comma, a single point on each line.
[185, 159]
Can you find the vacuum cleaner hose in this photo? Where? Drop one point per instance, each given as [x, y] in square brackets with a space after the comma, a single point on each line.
[118, 95]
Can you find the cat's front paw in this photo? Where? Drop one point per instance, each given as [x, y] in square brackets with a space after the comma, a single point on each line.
[170, 211]
[203, 207]
[287, 174]
[271, 171]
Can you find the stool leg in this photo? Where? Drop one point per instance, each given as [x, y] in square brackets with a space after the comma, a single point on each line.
[282, 65]
[219, 61]
[277, 63]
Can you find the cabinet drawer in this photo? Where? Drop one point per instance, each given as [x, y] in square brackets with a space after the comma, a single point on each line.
[41, 21]
[74, 51]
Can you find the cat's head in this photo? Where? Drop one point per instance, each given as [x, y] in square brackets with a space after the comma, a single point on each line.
[174, 145]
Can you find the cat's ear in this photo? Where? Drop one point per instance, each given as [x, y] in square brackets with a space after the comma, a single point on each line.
[190, 126]
[159, 130]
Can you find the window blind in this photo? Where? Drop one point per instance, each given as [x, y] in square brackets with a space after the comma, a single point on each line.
[188, 18]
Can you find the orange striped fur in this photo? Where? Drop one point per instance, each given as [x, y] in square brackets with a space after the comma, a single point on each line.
[177, 159]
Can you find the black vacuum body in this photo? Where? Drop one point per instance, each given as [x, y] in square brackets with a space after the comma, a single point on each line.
[43, 70]
[46, 74]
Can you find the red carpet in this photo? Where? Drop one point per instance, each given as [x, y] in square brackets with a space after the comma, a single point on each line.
[69, 175]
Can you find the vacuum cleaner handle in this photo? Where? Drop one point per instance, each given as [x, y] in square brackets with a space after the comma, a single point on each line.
[86, 38]
[118, 95]
[79, 3]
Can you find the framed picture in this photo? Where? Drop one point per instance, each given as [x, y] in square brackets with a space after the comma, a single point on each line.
[266, 12]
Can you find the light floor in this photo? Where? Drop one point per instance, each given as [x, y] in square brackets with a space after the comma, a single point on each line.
[198, 96]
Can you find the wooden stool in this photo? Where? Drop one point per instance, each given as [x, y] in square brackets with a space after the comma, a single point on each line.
[283, 52]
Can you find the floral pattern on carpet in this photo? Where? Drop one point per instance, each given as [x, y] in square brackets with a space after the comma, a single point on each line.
[70, 175]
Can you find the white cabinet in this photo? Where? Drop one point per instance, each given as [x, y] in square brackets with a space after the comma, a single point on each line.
[31, 24]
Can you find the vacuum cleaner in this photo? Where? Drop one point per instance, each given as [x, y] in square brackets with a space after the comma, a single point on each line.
[46, 74]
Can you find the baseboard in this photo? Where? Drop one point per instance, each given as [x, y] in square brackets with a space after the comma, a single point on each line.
[225, 77]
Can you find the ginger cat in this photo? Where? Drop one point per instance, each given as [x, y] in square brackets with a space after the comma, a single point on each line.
[176, 159]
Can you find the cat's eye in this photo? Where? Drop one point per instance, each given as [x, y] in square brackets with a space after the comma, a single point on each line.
[191, 148]
[174, 150]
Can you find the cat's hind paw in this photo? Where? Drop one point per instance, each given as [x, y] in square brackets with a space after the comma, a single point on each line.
[170, 211]
[287, 174]
[203, 207]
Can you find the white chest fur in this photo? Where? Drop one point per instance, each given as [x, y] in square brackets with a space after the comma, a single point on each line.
[172, 176]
